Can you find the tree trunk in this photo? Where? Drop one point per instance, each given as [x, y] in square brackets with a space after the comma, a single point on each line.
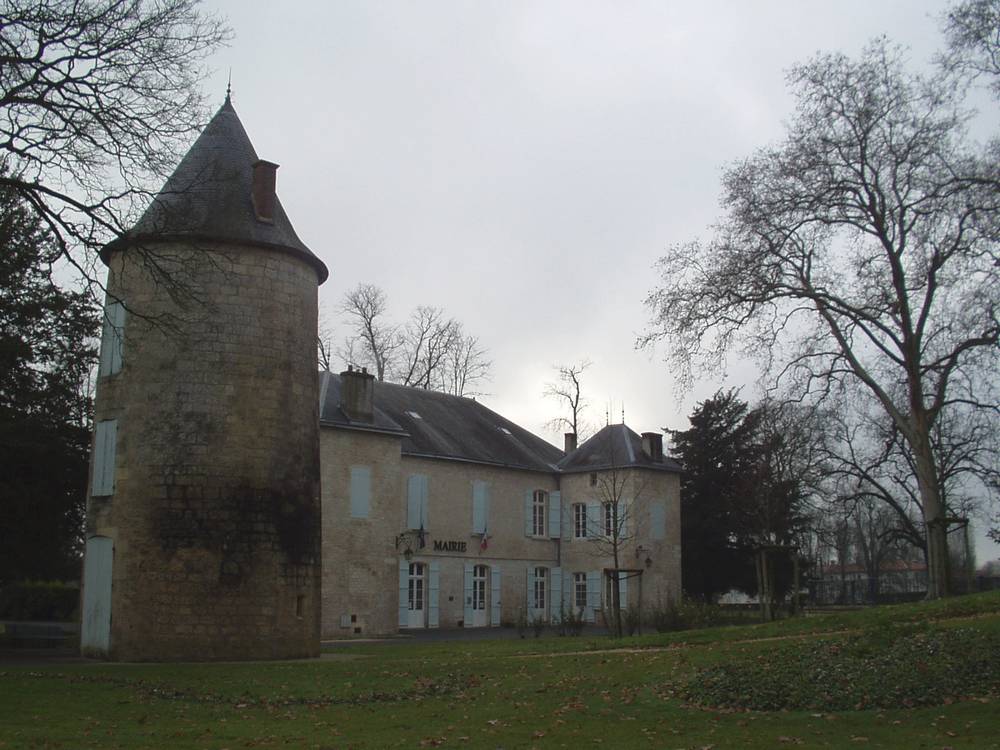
[934, 519]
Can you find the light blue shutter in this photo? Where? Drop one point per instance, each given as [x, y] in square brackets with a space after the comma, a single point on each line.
[467, 593]
[480, 506]
[361, 487]
[424, 502]
[95, 625]
[413, 502]
[593, 594]
[494, 595]
[529, 600]
[105, 439]
[432, 591]
[555, 514]
[555, 586]
[404, 603]
[657, 521]
[594, 526]
[623, 590]
[528, 526]
[112, 339]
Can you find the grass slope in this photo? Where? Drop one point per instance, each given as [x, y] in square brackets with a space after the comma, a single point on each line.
[911, 676]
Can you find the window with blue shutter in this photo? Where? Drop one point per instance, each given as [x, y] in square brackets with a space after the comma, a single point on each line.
[480, 507]
[657, 521]
[105, 440]
[404, 593]
[593, 595]
[433, 593]
[361, 488]
[467, 596]
[495, 595]
[416, 502]
[555, 514]
[112, 339]
[555, 579]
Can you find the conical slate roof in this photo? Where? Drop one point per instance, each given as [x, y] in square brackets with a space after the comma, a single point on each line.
[614, 447]
[208, 198]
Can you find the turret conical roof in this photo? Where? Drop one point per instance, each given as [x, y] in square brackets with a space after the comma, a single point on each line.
[208, 198]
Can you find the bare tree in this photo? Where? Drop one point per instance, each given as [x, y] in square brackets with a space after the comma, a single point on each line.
[97, 99]
[972, 30]
[425, 344]
[466, 366]
[862, 249]
[430, 351]
[374, 341]
[567, 392]
[615, 527]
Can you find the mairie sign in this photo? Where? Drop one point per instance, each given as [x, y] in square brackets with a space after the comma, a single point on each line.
[441, 545]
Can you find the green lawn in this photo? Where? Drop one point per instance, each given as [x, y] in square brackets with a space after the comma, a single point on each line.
[923, 675]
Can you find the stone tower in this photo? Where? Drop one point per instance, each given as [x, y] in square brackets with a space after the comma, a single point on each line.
[203, 520]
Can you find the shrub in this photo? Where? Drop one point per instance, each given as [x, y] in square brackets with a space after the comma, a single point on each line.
[570, 622]
[39, 600]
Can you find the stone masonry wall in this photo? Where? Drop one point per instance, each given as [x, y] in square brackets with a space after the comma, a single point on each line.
[215, 515]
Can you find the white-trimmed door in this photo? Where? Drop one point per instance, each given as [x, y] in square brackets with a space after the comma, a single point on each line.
[480, 596]
[416, 598]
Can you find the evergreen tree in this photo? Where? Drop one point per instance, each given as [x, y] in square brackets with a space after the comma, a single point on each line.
[47, 349]
[716, 454]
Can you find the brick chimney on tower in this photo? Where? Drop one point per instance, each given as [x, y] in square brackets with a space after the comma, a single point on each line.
[262, 192]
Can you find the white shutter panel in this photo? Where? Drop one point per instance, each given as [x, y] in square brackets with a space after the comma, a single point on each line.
[595, 527]
[95, 625]
[404, 592]
[413, 502]
[105, 439]
[555, 514]
[433, 587]
[555, 586]
[467, 593]
[593, 594]
[495, 596]
[623, 590]
[528, 526]
[361, 482]
[657, 521]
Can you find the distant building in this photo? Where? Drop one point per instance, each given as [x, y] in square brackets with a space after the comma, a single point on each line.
[851, 584]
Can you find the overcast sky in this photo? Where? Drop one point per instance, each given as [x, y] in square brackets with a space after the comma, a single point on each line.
[524, 164]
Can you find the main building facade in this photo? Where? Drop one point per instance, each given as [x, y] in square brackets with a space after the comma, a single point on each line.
[438, 512]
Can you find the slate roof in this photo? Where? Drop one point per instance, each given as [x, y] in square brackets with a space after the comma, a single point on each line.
[615, 446]
[207, 198]
[439, 425]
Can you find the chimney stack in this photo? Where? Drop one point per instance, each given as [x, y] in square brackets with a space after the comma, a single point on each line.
[262, 193]
[357, 395]
[652, 444]
[569, 442]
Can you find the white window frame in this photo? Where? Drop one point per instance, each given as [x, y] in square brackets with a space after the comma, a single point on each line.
[580, 590]
[539, 512]
[609, 519]
[538, 588]
[579, 520]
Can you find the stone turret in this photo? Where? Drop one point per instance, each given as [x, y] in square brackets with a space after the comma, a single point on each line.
[203, 520]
